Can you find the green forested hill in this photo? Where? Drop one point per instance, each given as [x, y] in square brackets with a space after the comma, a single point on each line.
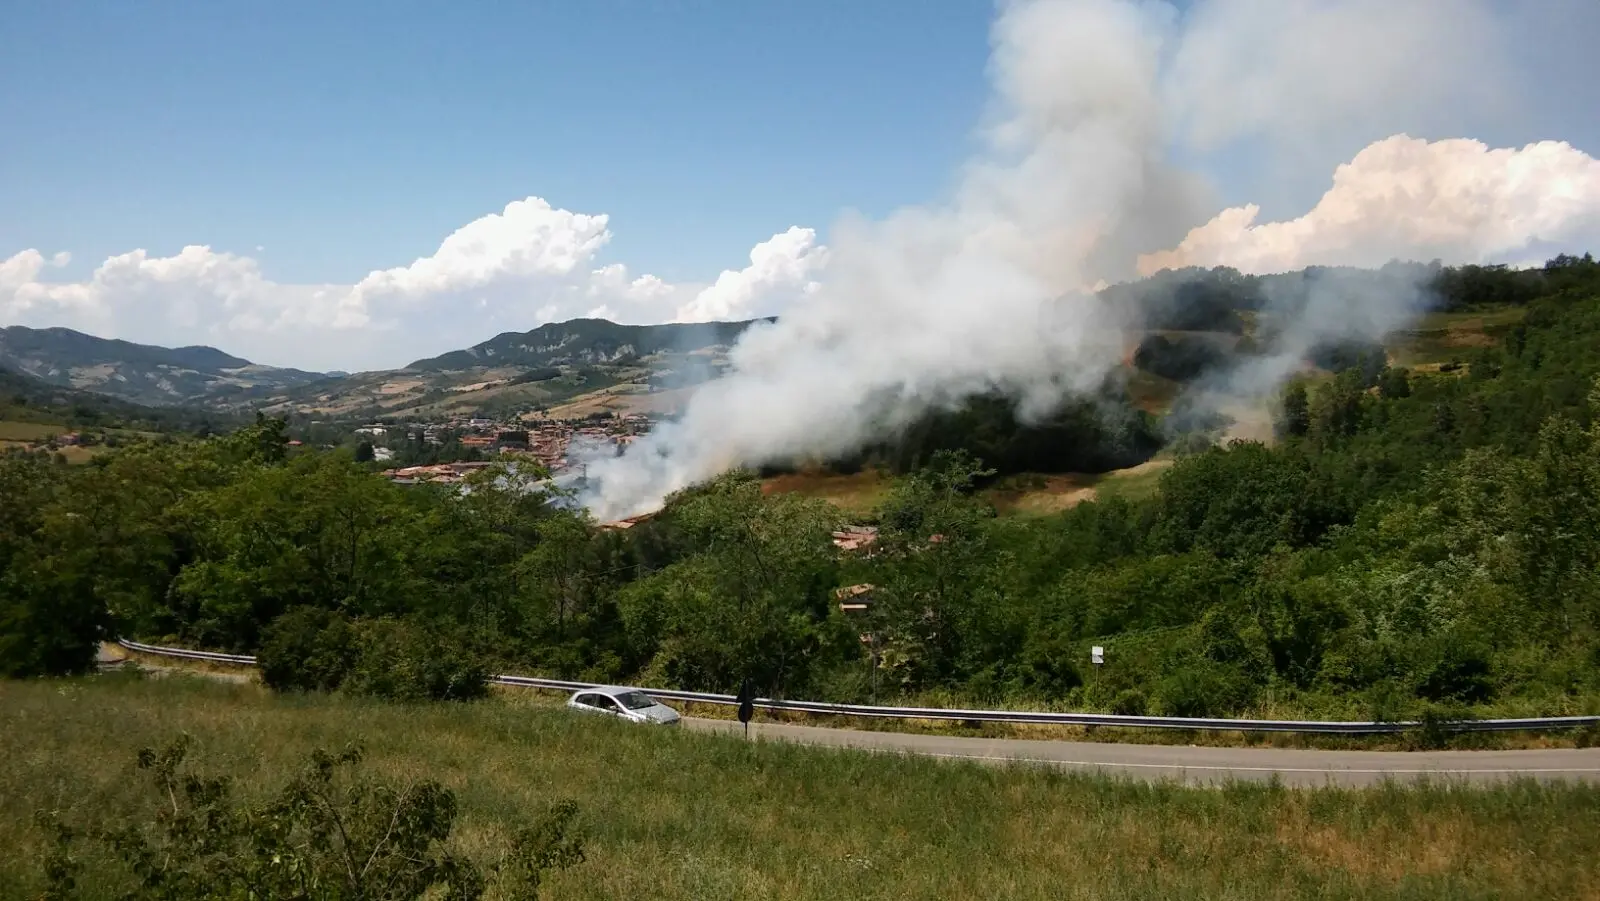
[585, 341]
[139, 373]
[1416, 541]
[24, 398]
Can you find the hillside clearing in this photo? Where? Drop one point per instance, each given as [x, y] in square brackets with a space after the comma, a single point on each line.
[1026, 494]
[1443, 337]
[1034, 494]
[857, 493]
[684, 815]
[11, 430]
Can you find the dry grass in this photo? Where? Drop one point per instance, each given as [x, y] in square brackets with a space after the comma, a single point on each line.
[685, 815]
[1442, 337]
[857, 494]
[1041, 495]
[28, 431]
[1134, 482]
[1033, 494]
[624, 399]
[1027, 494]
[1152, 393]
[78, 454]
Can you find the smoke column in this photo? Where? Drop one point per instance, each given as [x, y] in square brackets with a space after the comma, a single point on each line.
[993, 289]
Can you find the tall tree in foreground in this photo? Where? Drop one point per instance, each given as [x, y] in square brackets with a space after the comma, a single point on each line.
[750, 600]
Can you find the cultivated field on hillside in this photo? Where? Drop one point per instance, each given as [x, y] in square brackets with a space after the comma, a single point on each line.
[28, 431]
[684, 815]
[857, 493]
[1025, 494]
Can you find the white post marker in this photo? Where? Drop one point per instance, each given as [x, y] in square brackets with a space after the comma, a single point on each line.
[1097, 655]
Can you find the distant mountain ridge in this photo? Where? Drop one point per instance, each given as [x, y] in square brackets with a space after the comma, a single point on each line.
[141, 373]
[24, 398]
[583, 367]
[586, 341]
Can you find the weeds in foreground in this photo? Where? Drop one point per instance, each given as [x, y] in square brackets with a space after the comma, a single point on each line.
[327, 835]
[685, 815]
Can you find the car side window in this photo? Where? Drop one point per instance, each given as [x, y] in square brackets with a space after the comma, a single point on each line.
[587, 700]
[605, 703]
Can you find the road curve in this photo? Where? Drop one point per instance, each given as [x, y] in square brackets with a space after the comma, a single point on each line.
[1201, 765]
[1185, 764]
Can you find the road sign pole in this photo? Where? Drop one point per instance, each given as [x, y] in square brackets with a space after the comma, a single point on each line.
[747, 707]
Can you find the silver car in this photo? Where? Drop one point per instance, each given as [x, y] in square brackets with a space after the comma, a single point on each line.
[625, 703]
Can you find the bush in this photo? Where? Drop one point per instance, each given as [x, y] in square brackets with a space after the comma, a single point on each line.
[1182, 358]
[1204, 690]
[48, 634]
[1438, 723]
[1459, 671]
[202, 843]
[308, 649]
[1130, 702]
[408, 660]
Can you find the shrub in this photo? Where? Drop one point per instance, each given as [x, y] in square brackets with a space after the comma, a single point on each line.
[1459, 671]
[1130, 702]
[1203, 689]
[43, 633]
[1437, 724]
[409, 660]
[326, 834]
[308, 649]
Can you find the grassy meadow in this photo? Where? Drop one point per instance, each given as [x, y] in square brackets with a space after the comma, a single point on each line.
[12, 430]
[1442, 337]
[1026, 494]
[857, 493]
[674, 814]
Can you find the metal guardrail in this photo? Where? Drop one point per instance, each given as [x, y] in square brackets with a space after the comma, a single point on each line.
[186, 654]
[1324, 727]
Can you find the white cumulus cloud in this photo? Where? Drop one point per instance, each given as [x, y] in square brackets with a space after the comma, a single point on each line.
[1454, 200]
[507, 271]
[779, 269]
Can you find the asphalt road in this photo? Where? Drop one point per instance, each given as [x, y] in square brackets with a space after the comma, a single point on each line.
[1197, 765]
[1191, 765]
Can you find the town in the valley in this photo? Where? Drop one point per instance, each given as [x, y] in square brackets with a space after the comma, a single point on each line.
[560, 446]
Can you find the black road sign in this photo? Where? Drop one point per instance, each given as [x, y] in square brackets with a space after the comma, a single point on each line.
[747, 707]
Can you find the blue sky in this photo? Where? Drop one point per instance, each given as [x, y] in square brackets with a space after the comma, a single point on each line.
[325, 141]
[351, 135]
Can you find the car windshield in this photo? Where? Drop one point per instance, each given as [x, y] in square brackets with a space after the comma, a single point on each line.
[635, 700]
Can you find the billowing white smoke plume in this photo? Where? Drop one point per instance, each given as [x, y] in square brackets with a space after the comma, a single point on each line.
[934, 305]
[994, 290]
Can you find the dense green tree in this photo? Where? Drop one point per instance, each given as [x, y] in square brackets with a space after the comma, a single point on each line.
[751, 602]
[931, 556]
[1295, 418]
[318, 532]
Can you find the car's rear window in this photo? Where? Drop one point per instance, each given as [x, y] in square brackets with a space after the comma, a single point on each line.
[636, 700]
